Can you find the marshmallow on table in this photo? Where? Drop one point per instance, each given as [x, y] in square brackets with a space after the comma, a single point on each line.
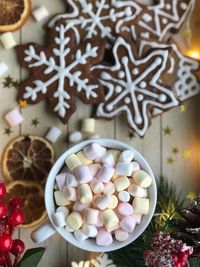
[60, 199]
[123, 168]
[8, 41]
[103, 202]
[124, 196]
[53, 134]
[61, 180]
[110, 219]
[121, 183]
[58, 219]
[94, 151]
[79, 207]
[108, 158]
[121, 235]
[74, 220]
[14, 117]
[116, 153]
[142, 178]
[137, 217]
[136, 167]
[70, 193]
[83, 159]
[141, 205]
[90, 230]
[64, 210]
[80, 235]
[83, 174]
[71, 180]
[126, 156]
[128, 224]
[40, 13]
[91, 216]
[3, 68]
[137, 191]
[88, 125]
[104, 238]
[125, 209]
[72, 162]
[113, 202]
[109, 188]
[94, 169]
[105, 174]
[75, 137]
[96, 186]
[85, 194]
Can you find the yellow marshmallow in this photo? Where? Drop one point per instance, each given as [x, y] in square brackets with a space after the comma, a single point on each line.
[121, 183]
[72, 162]
[60, 199]
[115, 176]
[83, 159]
[141, 205]
[74, 220]
[142, 179]
[85, 194]
[110, 219]
[113, 203]
[116, 153]
[88, 125]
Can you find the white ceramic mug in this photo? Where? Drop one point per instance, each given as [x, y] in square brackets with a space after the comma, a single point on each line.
[48, 229]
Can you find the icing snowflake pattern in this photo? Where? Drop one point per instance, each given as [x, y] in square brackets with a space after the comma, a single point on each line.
[102, 18]
[61, 71]
[156, 21]
[135, 86]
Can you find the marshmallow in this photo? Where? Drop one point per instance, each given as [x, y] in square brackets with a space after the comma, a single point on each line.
[105, 174]
[96, 186]
[109, 188]
[70, 193]
[104, 238]
[8, 41]
[109, 159]
[99, 222]
[75, 137]
[121, 183]
[141, 205]
[123, 168]
[136, 167]
[64, 210]
[71, 180]
[116, 153]
[72, 162]
[137, 217]
[114, 177]
[113, 202]
[91, 216]
[69, 229]
[110, 219]
[74, 220]
[79, 207]
[94, 169]
[60, 199]
[90, 230]
[137, 191]
[53, 134]
[126, 156]
[128, 224]
[125, 209]
[142, 178]
[95, 200]
[94, 151]
[85, 194]
[121, 235]
[124, 196]
[80, 235]
[83, 159]
[103, 202]
[3, 68]
[40, 13]
[14, 117]
[61, 180]
[83, 174]
[88, 125]
[58, 219]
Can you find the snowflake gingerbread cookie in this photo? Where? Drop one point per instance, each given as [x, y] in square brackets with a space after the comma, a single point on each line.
[61, 71]
[134, 85]
[103, 18]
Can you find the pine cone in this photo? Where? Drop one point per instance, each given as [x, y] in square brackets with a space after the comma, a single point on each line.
[189, 226]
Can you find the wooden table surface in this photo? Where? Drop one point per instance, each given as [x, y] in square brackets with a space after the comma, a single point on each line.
[156, 146]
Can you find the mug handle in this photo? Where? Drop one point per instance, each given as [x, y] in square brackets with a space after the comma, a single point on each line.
[43, 232]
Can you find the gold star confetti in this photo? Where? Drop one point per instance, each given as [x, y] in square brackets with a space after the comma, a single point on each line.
[175, 150]
[167, 130]
[131, 134]
[170, 160]
[7, 131]
[187, 154]
[186, 34]
[191, 196]
[23, 103]
[35, 122]
[184, 107]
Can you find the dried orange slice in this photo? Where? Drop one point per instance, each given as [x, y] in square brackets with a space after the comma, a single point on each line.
[13, 14]
[27, 158]
[32, 195]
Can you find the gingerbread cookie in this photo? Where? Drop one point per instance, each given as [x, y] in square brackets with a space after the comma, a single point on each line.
[158, 20]
[134, 85]
[61, 71]
[103, 18]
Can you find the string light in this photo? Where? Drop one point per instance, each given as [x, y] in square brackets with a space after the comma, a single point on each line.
[194, 54]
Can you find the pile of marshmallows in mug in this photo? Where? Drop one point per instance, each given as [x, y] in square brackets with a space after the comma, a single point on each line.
[102, 195]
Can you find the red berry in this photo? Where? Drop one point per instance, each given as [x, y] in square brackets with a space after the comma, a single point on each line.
[17, 247]
[2, 210]
[2, 189]
[5, 243]
[16, 217]
[15, 203]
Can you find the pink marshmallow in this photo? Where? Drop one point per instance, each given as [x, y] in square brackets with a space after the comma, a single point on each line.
[121, 235]
[70, 193]
[14, 117]
[94, 151]
[61, 180]
[105, 174]
[109, 188]
[125, 209]
[96, 186]
[136, 167]
[79, 207]
[128, 224]
[104, 238]
[94, 169]
[83, 174]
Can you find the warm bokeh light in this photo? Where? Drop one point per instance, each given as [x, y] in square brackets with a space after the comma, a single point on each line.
[194, 54]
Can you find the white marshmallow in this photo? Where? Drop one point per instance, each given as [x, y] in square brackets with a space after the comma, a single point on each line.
[141, 205]
[64, 210]
[91, 216]
[94, 151]
[14, 117]
[108, 158]
[75, 137]
[40, 13]
[103, 202]
[89, 230]
[88, 125]
[116, 153]
[53, 134]
[137, 191]
[58, 219]
[8, 41]
[80, 235]
[121, 235]
[3, 68]
[109, 188]
[70, 193]
[71, 180]
[124, 196]
[126, 156]
[60, 199]
[96, 186]
[123, 168]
